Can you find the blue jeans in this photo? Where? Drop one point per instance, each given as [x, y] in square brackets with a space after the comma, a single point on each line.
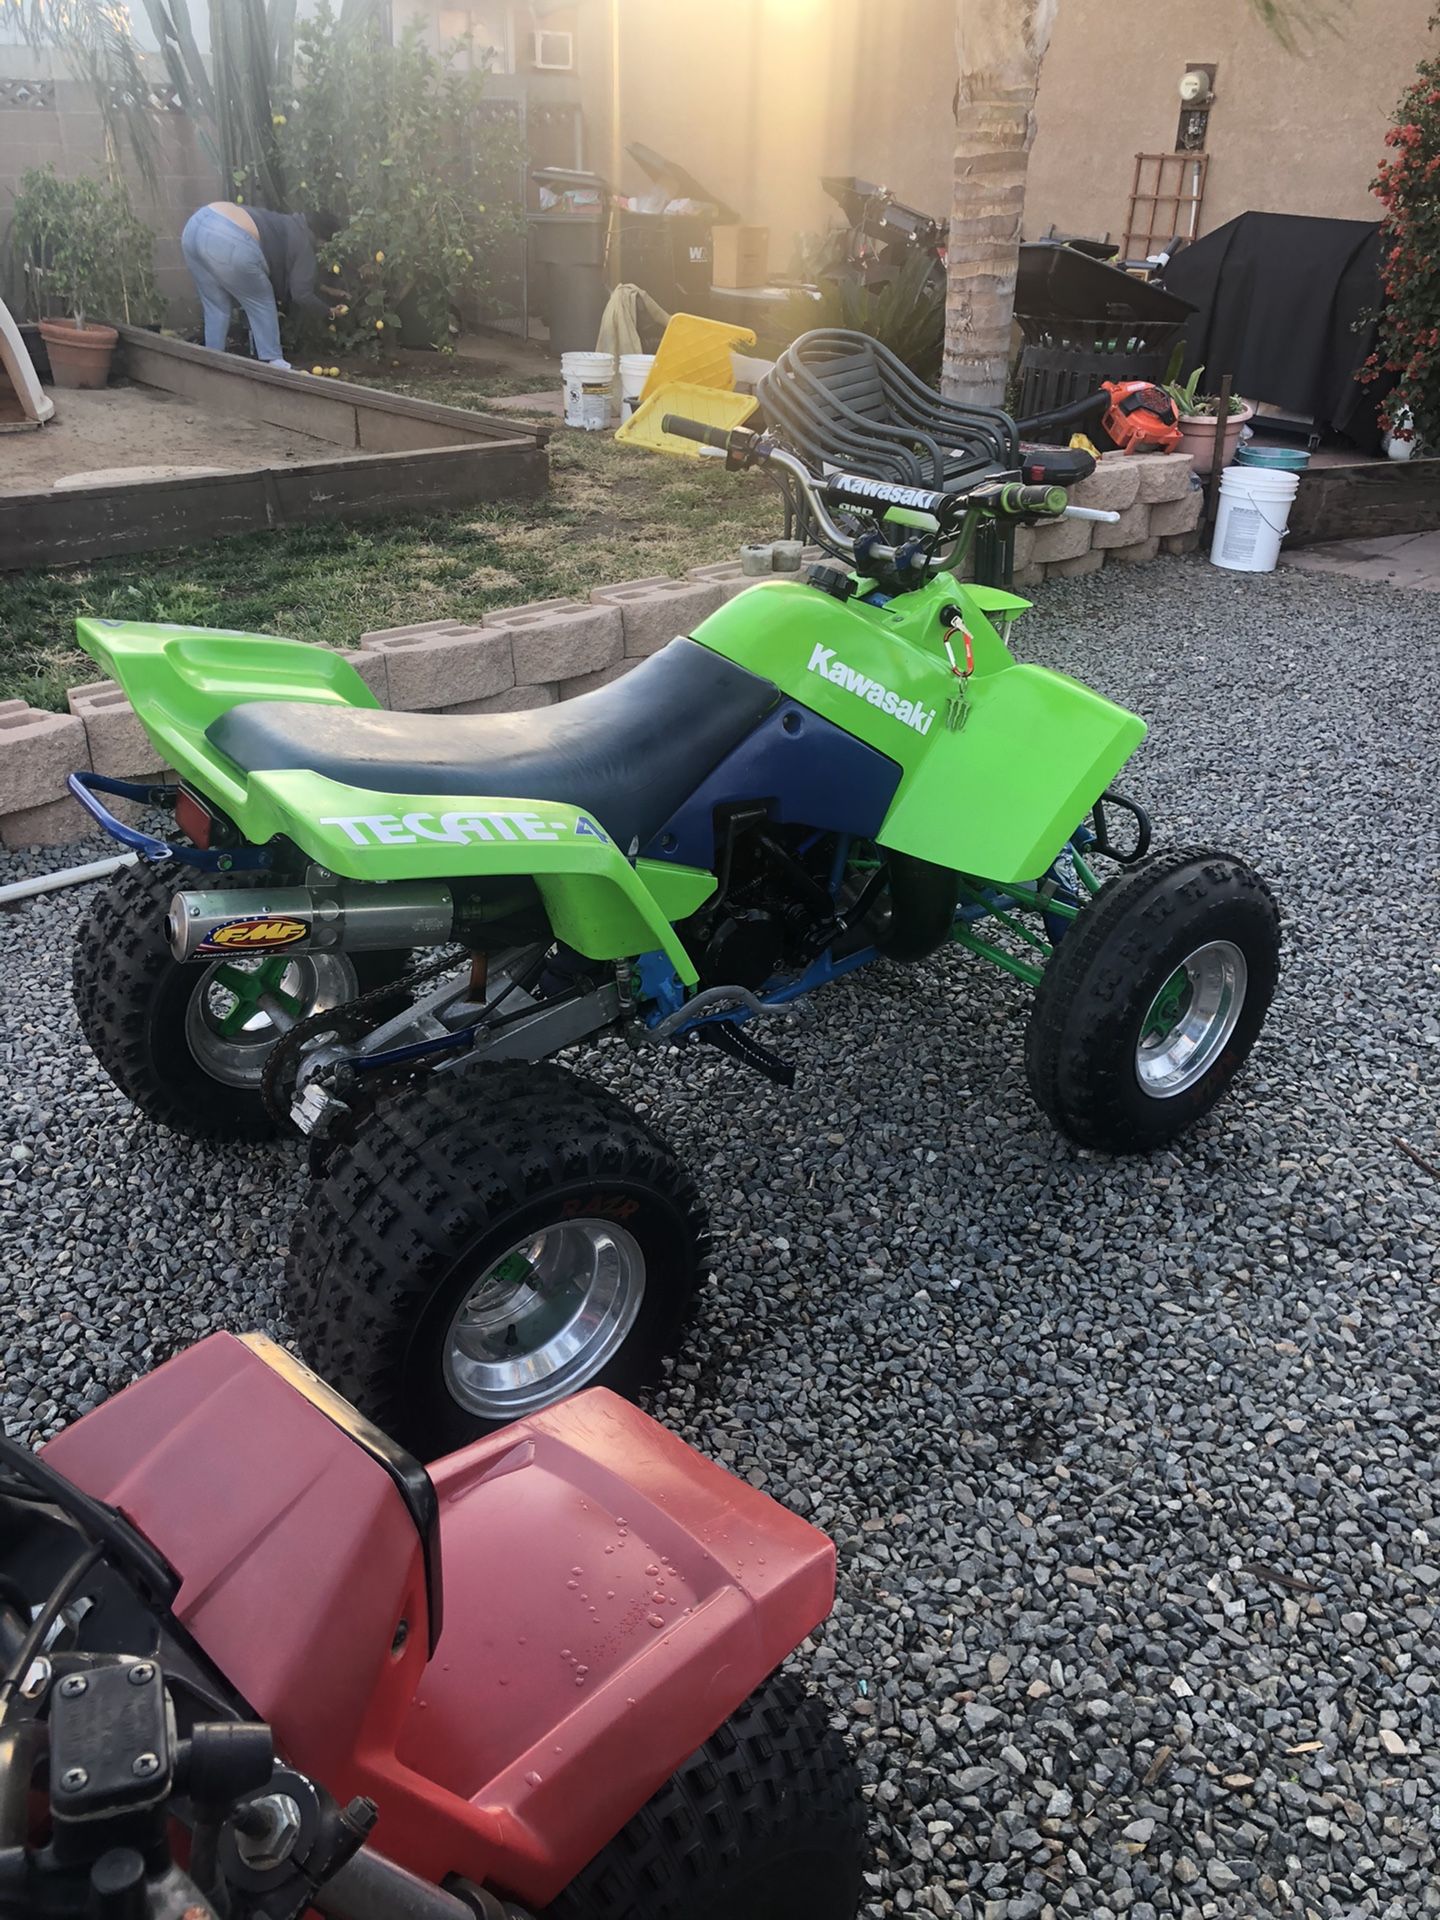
[227, 266]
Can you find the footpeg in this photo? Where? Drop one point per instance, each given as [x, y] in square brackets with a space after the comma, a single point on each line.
[739, 1046]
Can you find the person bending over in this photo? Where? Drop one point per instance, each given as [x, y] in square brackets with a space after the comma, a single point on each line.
[253, 258]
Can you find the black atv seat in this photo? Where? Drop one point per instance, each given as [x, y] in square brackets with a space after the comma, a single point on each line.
[629, 753]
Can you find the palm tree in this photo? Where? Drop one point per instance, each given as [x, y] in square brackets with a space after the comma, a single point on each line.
[1000, 45]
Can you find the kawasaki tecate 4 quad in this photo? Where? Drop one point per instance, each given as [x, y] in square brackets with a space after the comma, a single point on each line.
[828, 772]
[258, 1662]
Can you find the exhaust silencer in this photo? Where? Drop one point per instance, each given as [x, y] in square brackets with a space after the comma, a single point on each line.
[345, 914]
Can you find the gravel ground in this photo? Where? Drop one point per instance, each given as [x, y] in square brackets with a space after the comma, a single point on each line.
[1130, 1464]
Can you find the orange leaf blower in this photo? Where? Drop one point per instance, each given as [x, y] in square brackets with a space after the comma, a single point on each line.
[1141, 418]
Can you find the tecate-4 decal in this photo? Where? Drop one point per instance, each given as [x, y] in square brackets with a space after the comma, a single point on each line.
[456, 829]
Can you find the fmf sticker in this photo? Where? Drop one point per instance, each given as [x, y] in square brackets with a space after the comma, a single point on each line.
[261, 935]
[455, 829]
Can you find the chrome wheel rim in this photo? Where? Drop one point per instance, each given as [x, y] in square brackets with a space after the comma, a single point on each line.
[1191, 1019]
[227, 1029]
[544, 1318]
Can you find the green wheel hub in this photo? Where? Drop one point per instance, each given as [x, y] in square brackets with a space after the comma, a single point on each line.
[239, 1008]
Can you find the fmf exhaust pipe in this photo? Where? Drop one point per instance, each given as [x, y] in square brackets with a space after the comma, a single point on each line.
[347, 914]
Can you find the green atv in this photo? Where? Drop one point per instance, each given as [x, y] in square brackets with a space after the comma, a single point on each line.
[829, 772]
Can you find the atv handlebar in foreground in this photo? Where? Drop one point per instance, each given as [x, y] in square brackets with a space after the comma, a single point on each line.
[118, 1779]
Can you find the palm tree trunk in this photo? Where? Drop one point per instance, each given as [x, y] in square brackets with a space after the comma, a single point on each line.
[1000, 44]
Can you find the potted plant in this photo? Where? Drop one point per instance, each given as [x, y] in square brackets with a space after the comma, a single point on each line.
[1200, 426]
[83, 252]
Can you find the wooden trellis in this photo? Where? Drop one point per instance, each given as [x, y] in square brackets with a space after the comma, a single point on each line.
[1165, 199]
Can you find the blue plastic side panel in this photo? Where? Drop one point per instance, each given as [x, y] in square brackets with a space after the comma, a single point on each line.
[809, 772]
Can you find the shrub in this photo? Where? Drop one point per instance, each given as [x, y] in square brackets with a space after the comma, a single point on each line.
[907, 315]
[82, 250]
[1409, 333]
[396, 142]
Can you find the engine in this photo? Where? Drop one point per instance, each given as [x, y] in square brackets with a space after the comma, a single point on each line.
[772, 912]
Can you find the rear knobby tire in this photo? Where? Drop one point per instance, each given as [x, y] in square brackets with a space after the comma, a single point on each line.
[132, 997]
[765, 1822]
[443, 1182]
[1101, 984]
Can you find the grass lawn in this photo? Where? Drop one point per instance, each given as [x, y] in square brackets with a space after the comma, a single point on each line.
[612, 514]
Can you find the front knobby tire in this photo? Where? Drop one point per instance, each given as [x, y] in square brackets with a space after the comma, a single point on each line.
[156, 1024]
[765, 1822]
[488, 1245]
[1151, 1003]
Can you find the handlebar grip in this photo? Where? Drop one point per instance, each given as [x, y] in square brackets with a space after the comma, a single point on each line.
[1015, 498]
[370, 1887]
[677, 424]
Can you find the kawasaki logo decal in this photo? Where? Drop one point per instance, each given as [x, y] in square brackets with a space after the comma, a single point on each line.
[913, 712]
[853, 486]
[455, 829]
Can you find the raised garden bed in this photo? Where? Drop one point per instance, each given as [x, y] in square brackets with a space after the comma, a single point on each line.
[1365, 498]
[308, 449]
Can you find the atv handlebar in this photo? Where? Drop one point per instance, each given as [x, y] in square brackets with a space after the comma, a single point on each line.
[741, 446]
[677, 424]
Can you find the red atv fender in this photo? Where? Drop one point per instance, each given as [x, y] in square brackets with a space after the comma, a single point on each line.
[610, 1598]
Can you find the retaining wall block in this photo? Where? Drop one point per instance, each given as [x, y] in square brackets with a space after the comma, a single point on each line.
[588, 682]
[727, 579]
[1136, 555]
[1163, 476]
[1133, 525]
[559, 639]
[55, 824]
[1062, 539]
[371, 665]
[1024, 548]
[117, 743]
[1030, 576]
[415, 632]
[1114, 485]
[1181, 542]
[1178, 516]
[1082, 563]
[654, 612]
[424, 671]
[513, 700]
[37, 752]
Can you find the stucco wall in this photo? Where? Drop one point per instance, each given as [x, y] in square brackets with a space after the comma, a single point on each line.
[68, 134]
[758, 98]
[1289, 132]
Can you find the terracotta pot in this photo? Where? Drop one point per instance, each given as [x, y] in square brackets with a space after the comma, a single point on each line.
[1198, 432]
[79, 356]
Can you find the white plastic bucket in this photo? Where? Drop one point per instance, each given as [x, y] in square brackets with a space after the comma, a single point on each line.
[589, 389]
[1252, 518]
[634, 372]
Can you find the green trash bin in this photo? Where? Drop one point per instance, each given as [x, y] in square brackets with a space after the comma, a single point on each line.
[568, 252]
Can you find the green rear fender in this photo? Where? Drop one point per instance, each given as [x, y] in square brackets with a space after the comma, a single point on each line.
[181, 679]
[597, 902]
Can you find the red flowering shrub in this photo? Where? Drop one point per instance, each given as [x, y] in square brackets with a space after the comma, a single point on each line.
[1409, 186]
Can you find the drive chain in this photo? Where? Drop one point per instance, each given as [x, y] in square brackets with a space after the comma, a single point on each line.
[347, 1022]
